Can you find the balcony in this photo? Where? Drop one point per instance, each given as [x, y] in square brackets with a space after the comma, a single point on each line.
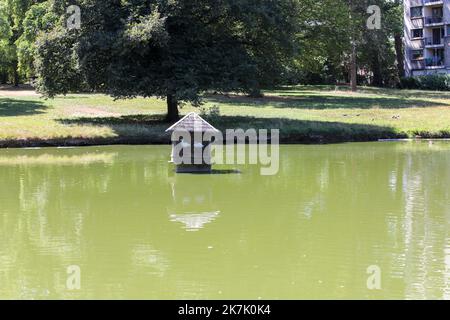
[434, 20]
[416, 3]
[433, 42]
[434, 63]
[427, 3]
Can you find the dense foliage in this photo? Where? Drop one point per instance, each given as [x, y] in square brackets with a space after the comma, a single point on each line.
[437, 82]
[20, 23]
[329, 30]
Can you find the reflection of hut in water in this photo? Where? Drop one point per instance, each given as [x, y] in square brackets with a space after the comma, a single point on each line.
[192, 205]
[190, 148]
[194, 221]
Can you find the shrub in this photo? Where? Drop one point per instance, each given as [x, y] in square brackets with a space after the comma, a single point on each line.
[210, 113]
[438, 82]
[409, 83]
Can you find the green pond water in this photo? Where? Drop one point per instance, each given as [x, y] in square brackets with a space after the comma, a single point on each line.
[138, 231]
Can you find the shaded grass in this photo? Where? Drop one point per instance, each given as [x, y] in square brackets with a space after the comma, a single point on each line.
[307, 131]
[291, 131]
[303, 114]
[16, 107]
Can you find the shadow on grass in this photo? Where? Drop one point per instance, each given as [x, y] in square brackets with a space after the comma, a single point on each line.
[321, 101]
[388, 92]
[129, 129]
[78, 96]
[410, 94]
[151, 128]
[17, 107]
[136, 119]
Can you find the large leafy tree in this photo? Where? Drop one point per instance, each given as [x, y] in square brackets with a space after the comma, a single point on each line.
[381, 50]
[331, 35]
[12, 13]
[5, 48]
[20, 21]
[324, 38]
[38, 18]
[174, 49]
[394, 25]
[335, 41]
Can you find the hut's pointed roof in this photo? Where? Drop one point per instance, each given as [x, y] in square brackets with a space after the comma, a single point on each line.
[192, 123]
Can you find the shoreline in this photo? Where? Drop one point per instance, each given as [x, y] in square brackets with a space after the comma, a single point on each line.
[82, 142]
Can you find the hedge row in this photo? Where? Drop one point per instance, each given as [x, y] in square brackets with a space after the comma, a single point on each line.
[438, 82]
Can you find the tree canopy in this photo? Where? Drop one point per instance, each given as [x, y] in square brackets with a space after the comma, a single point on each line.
[169, 48]
[20, 23]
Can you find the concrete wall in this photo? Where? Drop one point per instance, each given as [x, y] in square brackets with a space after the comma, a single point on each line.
[447, 52]
[447, 33]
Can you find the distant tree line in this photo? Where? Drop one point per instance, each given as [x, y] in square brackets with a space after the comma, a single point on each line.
[332, 30]
[178, 49]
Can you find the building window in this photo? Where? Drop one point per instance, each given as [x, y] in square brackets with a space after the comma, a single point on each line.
[437, 12]
[417, 33]
[448, 30]
[437, 60]
[417, 54]
[416, 12]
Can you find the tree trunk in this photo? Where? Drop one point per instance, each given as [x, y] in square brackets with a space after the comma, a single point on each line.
[400, 54]
[376, 69]
[172, 108]
[353, 70]
[256, 93]
[16, 78]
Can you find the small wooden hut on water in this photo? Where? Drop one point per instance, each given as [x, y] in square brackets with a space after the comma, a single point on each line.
[193, 127]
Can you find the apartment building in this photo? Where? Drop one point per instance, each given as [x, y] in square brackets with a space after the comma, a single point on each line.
[427, 37]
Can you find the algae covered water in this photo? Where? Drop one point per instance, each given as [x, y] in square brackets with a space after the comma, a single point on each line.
[132, 228]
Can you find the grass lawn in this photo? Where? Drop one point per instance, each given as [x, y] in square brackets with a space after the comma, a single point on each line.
[303, 114]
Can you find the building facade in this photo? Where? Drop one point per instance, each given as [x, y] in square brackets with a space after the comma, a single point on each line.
[427, 37]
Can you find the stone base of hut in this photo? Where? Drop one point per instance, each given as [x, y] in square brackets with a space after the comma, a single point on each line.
[191, 168]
